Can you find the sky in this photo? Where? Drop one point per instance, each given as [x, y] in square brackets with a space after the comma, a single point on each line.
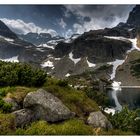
[63, 20]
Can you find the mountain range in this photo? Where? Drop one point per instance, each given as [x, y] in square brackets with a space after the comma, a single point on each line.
[112, 48]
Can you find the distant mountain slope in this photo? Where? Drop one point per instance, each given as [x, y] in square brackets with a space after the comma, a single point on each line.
[38, 39]
[62, 57]
[134, 16]
[6, 32]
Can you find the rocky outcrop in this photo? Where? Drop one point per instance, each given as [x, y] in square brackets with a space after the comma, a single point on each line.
[46, 106]
[23, 117]
[125, 70]
[6, 32]
[41, 38]
[41, 105]
[134, 16]
[97, 49]
[14, 104]
[97, 119]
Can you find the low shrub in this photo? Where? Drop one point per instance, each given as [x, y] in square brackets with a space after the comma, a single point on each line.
[5, 90]
[20, 74]
[70, 127]
[5, 107]
[101, 98]
[62, 83]
[126, 120]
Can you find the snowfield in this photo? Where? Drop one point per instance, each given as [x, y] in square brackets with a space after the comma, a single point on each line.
[67, 75]
[109, 110]
[12, 59]
[7, 39]
[90, 64]
[47, 64]
[73, 59]
[46, 46]
[115, 64]
[40, 49]
[118, 62]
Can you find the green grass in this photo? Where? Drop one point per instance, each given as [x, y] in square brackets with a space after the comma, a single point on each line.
[76, 101]
[7, 124]
[116, 133]
[70, 127]
[17, 93]
[5, 90]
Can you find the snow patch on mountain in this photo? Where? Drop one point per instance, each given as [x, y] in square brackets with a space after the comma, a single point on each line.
[46, 46]
[52, 42]
[47, 64]
[40, 49]
[7, 39]
[67, 75]
[57, 59]
[134, 44]
[90, 64]
[109, 110]
[73, 59]
[12, 59]
[115, 64]
[133, 41]
[117, 38]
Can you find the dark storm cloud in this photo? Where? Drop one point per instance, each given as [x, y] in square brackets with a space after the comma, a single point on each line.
[100, 16]
[100, 11]
[64, 19]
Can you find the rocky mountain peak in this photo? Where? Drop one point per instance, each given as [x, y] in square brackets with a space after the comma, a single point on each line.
[134, 16]
[6, 32]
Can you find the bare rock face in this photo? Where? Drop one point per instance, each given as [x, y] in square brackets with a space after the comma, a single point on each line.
[97, 119]
[23, 117]
[134, 15]
[46, 106]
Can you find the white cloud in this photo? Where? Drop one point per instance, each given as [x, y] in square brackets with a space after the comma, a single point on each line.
[62, 23]
[21, 27]
[94, 24]
[68, 33]
[100, 16]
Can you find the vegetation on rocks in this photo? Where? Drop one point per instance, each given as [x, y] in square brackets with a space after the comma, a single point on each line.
[76, 101]
[135, 68]
[82, 102]
[5, 107]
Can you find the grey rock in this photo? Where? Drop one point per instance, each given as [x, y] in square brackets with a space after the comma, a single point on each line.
[23, 117]
[97, 119]
[46, 106]
[14, 104]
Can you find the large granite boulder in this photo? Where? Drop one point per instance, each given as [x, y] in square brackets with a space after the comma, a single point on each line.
[97, 119]
[23, 117]
[46, 106]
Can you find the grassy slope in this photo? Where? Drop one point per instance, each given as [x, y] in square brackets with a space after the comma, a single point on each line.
[75, 100]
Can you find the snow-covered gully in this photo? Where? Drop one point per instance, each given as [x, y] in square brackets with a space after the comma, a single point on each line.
[116, 85]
